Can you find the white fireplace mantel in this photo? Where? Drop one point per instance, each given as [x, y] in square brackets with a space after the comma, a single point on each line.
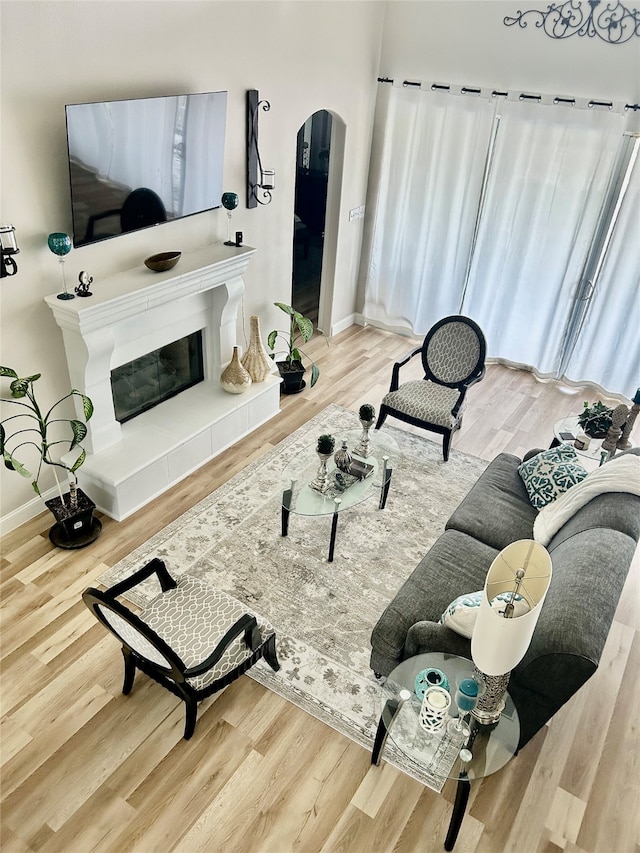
[131, 314]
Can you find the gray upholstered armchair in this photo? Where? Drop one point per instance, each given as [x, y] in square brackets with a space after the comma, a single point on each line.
[453, 354]
[191, 638]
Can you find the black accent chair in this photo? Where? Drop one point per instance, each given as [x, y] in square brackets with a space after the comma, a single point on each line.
[192, 639]
[453, 358]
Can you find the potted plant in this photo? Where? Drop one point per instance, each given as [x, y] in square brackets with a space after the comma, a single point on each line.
[32, 431]
[291, 368]
[596, 419]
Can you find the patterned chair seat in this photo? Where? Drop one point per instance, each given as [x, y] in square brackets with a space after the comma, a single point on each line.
[425, 401]
[193, 618]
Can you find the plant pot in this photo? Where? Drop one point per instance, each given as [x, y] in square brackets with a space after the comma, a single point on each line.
[74, 528]
[292, 373]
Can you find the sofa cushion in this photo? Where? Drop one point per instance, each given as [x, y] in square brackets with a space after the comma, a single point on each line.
[550, 474]
[496, 510]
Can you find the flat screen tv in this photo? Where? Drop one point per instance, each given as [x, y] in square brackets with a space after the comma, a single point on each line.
[137, 163]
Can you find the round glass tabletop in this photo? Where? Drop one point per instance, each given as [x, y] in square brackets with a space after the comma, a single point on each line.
[343, 490]
[488, 747]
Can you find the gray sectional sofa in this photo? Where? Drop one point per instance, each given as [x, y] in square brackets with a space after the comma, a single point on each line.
[591, 554]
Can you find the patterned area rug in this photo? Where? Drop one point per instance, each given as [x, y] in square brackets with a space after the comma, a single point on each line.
[323, 612]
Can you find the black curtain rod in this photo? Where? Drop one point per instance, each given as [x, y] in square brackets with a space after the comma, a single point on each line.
[473, 90]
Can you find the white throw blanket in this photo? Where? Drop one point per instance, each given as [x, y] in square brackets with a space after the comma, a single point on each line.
[620, 474]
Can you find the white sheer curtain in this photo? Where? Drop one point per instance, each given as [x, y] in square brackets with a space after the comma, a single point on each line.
[431, 168]
[607, 351]
[545, 190]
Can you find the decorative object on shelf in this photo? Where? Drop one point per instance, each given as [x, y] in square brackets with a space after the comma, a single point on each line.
[343, 458]
[82, 289]
[324, 448]
[500, 639]
[434, 709]
[255, 359]
[163, 261]
[367, 415]
[613, 22]
[37, 434]
[8, 248]
[430, 678]
[619, 418]
[466, 698]
[291, 368]
[260, 182]
[595, 420]
[624, 442]
[60, 245]
[238, 239]
[230, 201]
[235, 379]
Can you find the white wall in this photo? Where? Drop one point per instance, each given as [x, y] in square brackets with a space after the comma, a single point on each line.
[301, 56]
[465, 42]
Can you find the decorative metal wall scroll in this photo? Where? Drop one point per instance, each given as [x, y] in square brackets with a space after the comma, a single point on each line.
[612, 22]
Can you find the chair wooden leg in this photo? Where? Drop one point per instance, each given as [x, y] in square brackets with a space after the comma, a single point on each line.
[384, 411]
[191, 708]
[270, 653]
[129, 671]
[446, 444]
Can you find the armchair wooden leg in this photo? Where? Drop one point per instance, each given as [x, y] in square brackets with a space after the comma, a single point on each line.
[129, 670]
[191, 706]
[446, 444]
[270, 654]
[384, 411]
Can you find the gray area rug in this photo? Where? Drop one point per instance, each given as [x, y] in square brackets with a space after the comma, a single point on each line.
[323, 612]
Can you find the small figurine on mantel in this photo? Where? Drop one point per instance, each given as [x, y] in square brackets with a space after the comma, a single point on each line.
[85, 280]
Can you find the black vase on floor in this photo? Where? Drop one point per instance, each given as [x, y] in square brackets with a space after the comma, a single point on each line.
[74, 528]
[292, 373]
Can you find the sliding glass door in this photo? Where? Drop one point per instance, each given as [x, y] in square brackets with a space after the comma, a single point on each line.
[509, 212]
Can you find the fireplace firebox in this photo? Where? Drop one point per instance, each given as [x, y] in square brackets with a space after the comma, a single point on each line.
[147, 381]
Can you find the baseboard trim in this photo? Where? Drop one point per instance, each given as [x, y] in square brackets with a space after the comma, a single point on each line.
[25, 512]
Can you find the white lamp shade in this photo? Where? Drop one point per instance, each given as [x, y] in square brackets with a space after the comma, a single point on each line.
[498, 644]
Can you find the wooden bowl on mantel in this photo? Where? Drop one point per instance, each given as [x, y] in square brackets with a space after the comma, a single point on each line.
[163, 261]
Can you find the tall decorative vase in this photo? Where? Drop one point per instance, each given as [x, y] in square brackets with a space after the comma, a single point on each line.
[235, 378]
[321, 480]
[363, 449]
[255, 359]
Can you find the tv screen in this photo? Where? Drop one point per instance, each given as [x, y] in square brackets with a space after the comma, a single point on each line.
[137, 163]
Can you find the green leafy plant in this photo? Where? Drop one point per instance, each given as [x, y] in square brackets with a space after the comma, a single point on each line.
[326, 444]
[366, 412]
[32, 431]
[300, 330]
[595, 419]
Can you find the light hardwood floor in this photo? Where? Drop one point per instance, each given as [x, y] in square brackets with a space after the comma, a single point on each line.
[86, 769]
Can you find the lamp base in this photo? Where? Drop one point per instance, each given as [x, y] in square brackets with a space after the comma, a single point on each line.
[67, 296]
[491, 702]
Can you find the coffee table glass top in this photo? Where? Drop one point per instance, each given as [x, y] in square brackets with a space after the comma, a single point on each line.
[491, 747]
[303, 468]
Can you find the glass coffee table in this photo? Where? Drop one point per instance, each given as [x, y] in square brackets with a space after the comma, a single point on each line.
[478, 752]
[342, 493]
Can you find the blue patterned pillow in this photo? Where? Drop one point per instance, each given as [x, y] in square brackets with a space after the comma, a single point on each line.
[462, 613]
[550, 474]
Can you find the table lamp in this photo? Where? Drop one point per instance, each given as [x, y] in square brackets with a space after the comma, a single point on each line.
[500, 639]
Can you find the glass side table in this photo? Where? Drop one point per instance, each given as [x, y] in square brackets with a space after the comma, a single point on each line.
[298, 497]
[464, 757]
